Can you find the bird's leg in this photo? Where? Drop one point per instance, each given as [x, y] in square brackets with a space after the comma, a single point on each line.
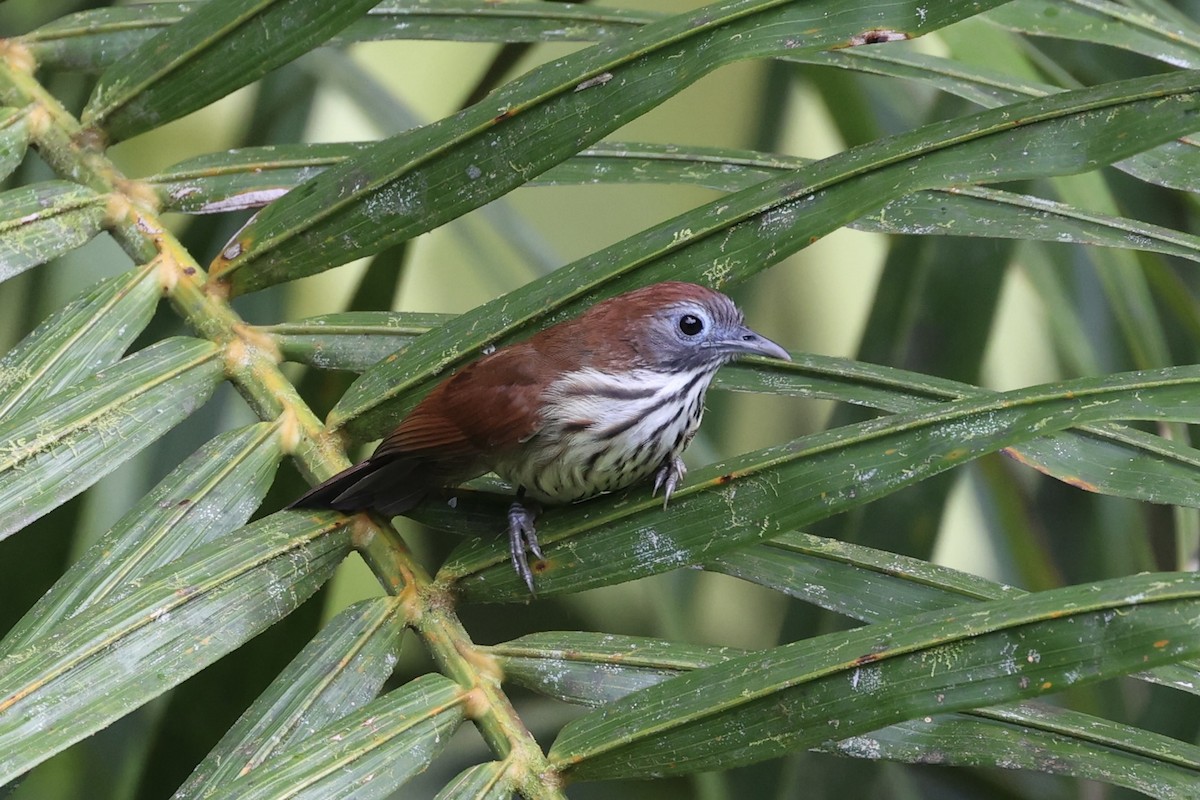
[522, 536]
[668, 477]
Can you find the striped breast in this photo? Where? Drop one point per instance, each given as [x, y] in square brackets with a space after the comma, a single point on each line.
[602, 432]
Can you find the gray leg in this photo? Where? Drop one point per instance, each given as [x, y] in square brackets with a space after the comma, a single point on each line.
[668, 477]
[522, 537]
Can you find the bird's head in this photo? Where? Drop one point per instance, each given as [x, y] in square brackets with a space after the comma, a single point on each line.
[683, 326]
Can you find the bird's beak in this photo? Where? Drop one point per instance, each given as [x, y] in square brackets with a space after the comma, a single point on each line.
[746, 342]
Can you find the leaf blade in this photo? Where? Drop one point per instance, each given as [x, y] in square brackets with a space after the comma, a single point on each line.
[368, 753]
[214, 491]
[52, 454]
[214, 49]
[14, 139]
[1073, 636]
[339, 671]
[595, 669]
[94, 668]
[41, 222]
[89, 333]
[481, 782]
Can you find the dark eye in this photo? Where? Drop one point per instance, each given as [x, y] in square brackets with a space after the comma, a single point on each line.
[690, 324]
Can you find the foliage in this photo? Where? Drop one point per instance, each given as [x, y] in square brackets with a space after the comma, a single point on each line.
[945, 668]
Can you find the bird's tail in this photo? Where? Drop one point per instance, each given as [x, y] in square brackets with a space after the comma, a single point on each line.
[387, 485]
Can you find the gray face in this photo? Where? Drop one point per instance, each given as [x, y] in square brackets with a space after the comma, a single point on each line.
[694, 335]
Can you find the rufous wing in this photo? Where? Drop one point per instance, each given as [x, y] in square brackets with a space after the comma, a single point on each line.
[487, 409]
[454, 434]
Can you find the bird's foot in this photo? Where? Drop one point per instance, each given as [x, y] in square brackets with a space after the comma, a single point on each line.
[668, 477]
[522, 539]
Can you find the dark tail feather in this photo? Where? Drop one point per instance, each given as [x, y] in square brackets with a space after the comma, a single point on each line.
[386, 485]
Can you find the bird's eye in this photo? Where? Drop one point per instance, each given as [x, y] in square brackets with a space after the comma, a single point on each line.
[690, 324]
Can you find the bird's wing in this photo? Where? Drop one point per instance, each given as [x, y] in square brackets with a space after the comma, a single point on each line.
[487, 409]
[454, 434]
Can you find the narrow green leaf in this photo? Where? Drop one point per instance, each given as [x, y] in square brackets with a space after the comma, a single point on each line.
[1120, 461]
[118, 655]
[338, 672]
[1107, 458]
[860, 582]
[488, 781]
[365, 755]
[1165, 10]
[595, 669]
[88, 334]
[609, 540]
[1103, 22]
[97, 38]
[832, 378]
[352, 340]
[874, 585]
[504, 21]
[41, 222]
[981, 85]
[599, 668]
[246, 178]
[1172, 164]
[100, 37]
[253, 177]
[54, 451]
[766, 704]
[14, 139]
[1175, 165]
[218, 47]
[386, 195]
[743, 233]
[1146, 762]
[211, 493]
[1124, 283]
[973, 211]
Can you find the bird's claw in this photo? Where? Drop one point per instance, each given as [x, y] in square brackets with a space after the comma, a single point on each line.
[668, 477]
[522, 540]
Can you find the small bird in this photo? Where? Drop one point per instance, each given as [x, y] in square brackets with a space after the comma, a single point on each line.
[590, 405]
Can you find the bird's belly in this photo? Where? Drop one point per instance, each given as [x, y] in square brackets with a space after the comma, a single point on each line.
[570, 460]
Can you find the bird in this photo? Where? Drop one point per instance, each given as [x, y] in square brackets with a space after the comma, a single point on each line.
[591, 405]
